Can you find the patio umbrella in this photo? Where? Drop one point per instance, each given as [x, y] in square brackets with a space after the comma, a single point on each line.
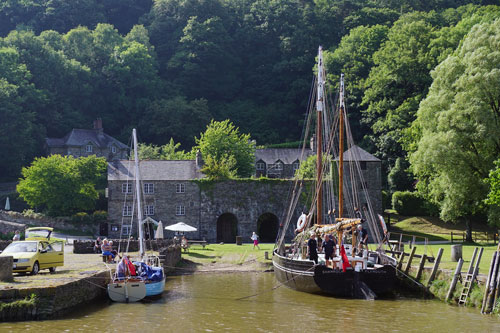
[7, 204]
[159, 231]
[181, 227]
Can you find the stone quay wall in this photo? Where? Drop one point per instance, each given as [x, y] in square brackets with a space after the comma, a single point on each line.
[45, 221]
[6, 268]
[171, 256]
[87, 246]
[6, 226]
[4, 244]
[51, 302]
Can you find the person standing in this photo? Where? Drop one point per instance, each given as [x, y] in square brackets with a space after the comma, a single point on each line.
[312, 248]
[328, 246]
[363, 239]
[17, 236]
[97, 245]
[255, 239]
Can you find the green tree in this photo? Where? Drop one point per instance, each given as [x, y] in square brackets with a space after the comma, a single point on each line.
[307, 168]
[458, 120]
[221, 168]
[169, 151]
[62, 185]
[222, 143]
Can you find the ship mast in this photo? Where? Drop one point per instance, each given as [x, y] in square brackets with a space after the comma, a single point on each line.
[138, 193]
[319, 137]
[341, 146]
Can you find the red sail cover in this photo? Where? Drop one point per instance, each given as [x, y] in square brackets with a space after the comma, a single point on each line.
[131, 266]
[345, 260]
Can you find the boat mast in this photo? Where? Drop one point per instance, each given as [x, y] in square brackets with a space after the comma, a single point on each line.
[138, 193]
[319, 137]
[341, 146]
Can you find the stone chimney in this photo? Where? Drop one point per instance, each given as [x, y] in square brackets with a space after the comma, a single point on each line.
[313, 142]
[98, 126]
[199, 159]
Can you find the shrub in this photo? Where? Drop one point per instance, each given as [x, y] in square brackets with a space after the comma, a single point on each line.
[100, 215]
[408, 203]
[81, 217]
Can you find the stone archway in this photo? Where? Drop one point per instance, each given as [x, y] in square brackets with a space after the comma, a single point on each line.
[267, 227]
[227, 226]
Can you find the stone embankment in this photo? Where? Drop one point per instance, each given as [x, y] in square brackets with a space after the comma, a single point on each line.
[82, 280]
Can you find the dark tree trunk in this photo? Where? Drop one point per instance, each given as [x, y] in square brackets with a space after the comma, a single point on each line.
[468, 229]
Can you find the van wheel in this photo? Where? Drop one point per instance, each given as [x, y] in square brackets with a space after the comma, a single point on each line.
[36, 268]
[52, 269]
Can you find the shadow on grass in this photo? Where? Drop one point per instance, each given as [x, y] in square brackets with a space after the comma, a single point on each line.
[199, 255]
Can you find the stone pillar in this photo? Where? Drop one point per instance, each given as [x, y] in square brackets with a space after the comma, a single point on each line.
[6, 268]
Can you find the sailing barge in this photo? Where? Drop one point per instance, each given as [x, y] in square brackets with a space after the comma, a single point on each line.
[353, 274]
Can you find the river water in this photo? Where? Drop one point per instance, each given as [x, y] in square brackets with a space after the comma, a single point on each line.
[247, 302]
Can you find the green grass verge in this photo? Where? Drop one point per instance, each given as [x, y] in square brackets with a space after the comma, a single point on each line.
[230, 254]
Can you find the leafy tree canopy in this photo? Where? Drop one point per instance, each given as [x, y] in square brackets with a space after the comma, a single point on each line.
[459, 128]
[223, 144]
[62, 185]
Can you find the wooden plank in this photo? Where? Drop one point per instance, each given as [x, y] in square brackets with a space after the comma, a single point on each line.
[430, 259]
[453, 284]
[493, 285]
[408, 264]
[435, 267]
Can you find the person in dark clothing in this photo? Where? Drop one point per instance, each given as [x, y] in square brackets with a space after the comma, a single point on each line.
[363, 238]
[329, 248]
[312, 247]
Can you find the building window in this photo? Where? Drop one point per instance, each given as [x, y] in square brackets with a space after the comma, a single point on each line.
[180, 188]
[125, 230]
[149, 188]
[260, 166]
[363, 165]
[127, 188]
[113, 150]
[88, 148]
[127, 210]
[296, 166]
[149, 210]
[180, 210]
[278, 166]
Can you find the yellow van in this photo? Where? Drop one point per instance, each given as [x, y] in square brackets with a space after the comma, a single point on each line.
[38, 251]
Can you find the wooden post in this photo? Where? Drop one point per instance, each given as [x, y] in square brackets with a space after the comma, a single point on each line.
[451, 237]
[401, 259]
[408, 264]
[421, 267]
[471, 265]
[476, 271]
[435, 267]
[490, 287]
[458, 270]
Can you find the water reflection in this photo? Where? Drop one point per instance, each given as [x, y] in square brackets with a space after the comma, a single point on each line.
[220, 302]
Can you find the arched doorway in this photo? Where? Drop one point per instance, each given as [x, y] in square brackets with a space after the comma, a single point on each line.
[267, 227]
[227, 226]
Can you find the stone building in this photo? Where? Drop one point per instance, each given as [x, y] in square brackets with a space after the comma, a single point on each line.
[175, 192]
[86, 142]
[371, 169]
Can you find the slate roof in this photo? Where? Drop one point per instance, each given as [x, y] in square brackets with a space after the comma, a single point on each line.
[358, 154]
[154, 170]
[286, 155]
[81, 137]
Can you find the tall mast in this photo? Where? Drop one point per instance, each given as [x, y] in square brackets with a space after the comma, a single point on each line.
[341, 147]
[138, 193]
[319, 137]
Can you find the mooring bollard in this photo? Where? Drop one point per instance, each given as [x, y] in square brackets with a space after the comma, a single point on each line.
[266, 254]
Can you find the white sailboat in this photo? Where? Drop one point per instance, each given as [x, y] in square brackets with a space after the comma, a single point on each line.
[145, 277]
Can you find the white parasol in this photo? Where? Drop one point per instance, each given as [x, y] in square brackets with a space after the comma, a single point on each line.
[181, 227]
[159, 231]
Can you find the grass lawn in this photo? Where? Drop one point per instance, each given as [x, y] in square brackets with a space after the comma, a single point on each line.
[435, 229]
[229, 255]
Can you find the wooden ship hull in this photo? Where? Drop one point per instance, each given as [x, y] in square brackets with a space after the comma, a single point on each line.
[305, 276]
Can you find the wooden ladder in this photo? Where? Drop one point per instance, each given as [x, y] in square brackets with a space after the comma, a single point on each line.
[471, 276]
[466, 289]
